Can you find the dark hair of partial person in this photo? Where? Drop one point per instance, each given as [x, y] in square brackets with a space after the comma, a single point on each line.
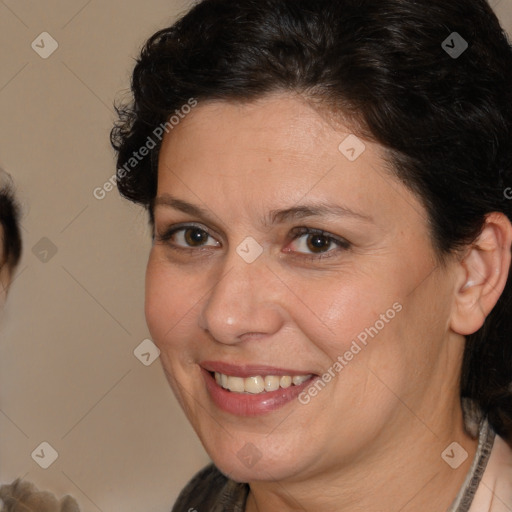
[9, 220]
[445, 120]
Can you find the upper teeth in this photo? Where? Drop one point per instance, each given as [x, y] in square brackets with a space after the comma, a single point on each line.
[258, 384]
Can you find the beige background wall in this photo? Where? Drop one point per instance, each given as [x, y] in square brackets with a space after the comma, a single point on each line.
[68, 375]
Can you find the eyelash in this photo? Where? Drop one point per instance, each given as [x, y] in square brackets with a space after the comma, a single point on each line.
[297, 232]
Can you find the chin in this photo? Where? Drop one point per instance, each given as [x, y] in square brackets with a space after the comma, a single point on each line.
[246, 458]
[260, 471]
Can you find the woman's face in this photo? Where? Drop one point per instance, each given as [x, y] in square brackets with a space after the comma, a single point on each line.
[293, 257]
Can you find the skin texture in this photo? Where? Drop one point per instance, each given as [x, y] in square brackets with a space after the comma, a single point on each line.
[384, 420]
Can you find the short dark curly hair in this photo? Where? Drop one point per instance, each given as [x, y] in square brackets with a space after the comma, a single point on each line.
[400, 70]
[9, 221]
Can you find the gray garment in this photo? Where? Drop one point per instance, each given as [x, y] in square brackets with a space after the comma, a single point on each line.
[475, 425]
[211, 491]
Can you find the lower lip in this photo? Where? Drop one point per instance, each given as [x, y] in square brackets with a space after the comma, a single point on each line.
[246, 404]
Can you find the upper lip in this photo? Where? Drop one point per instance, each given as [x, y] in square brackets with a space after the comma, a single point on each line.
[249, 370]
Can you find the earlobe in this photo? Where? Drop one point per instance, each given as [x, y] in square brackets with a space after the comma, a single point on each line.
[484, 271]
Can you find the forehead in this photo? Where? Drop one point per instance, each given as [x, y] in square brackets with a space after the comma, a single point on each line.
[277, 151]
[275, 125]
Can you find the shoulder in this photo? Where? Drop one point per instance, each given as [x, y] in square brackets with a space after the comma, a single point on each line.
[494, 494]
[211, 490]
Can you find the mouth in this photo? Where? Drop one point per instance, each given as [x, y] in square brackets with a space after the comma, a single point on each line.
[251, 390]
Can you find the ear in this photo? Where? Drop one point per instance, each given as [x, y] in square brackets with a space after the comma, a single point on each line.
[483, 275]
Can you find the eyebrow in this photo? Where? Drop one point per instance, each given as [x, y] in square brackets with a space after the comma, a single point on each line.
[314, 210]
[178, 204]
[274, 216]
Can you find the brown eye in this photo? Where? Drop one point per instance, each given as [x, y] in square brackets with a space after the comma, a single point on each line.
[195, 237]
[315, 243]
[187, 237]
[318, 243]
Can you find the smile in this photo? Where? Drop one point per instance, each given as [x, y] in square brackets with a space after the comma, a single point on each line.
[252, 390]
[258, 384]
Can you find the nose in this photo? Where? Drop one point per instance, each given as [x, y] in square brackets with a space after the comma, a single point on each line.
[243, 301]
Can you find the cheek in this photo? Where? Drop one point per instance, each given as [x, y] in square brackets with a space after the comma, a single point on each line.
[335, 312]
[169, 310]
[362, 325]
[169, 303]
